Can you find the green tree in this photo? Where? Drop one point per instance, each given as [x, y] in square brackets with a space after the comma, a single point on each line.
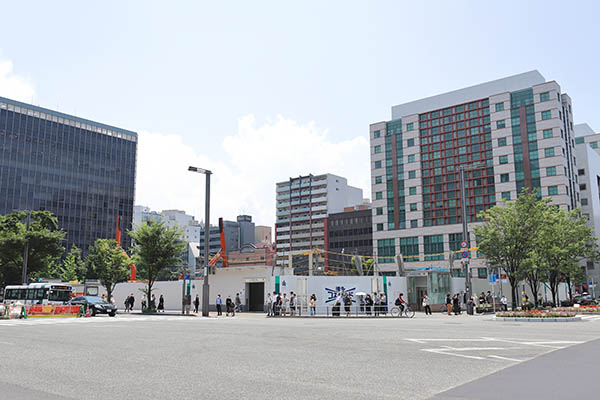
[44, 239]
[73, 266]
[563, 241]
[109, 263]
[156, 247]
[508, 235]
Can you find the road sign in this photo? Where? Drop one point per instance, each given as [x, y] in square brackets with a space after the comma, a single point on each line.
[464, 254]
[464, 244]
[492, 279]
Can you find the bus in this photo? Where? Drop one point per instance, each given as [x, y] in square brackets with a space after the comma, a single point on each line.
[38, 293]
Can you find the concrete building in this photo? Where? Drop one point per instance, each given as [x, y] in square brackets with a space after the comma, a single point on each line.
[508, 134]
[262, 234]
[80, 170]
[252, 254]
[303, 206]
[588, 171]
[350, 232]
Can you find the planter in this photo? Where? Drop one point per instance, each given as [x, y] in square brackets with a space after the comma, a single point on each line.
[525, 319]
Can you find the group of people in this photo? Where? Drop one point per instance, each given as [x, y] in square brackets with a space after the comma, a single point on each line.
[130, 302]
[231, 306]
[281, 305]
[453, 304]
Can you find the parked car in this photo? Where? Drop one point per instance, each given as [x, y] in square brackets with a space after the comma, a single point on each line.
[584, 300]
[96, 304]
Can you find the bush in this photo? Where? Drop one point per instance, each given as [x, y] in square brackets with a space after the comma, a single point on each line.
[535, 314]
[149, 310]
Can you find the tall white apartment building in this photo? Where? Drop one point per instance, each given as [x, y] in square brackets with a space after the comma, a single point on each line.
[303, 206]
[507, 134]
[588, 170]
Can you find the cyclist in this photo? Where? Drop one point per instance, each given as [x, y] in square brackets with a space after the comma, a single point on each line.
[400, 302]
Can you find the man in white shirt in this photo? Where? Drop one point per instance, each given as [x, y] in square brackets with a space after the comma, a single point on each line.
[269, 305]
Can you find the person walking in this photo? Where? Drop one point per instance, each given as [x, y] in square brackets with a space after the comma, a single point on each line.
[504, 303]
[153, 302]
[347, 304]
[449, 304]
[284, 304]
[361, 302]
[229, 307]
[131, 302]
[383, 303]
[426, 304]
[238, 303]
[292, 304]
[376, 304]
[313, 304]
[219, 303]
[456, 304]
[161, 303]
[269, 304]
[126, 303]
[196, 303]
[524, 300]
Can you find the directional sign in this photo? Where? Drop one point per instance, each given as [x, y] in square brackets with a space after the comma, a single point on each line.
[492, 279]
[464, 254]
[464, 244]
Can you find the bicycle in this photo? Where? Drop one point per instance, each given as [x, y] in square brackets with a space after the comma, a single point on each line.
[406, 312]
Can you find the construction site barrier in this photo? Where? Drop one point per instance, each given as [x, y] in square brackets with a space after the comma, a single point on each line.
[12, 311]
[39, 310]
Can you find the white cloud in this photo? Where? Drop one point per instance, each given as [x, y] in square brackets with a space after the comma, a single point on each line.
[247, 168]
[14, 86]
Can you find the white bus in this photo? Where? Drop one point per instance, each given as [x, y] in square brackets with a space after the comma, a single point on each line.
[38, 293]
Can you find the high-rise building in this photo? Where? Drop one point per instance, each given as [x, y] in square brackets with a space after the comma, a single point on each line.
[350, 233]
[303, 205]
[507, 134]
[82, 171]
[588, 172]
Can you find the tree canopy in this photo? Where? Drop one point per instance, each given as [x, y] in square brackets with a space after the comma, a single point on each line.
[109, 263]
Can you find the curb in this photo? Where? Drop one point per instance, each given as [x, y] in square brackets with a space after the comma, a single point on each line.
[517, 319]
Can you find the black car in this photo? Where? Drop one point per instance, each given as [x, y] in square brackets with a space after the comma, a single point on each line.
[96, 304]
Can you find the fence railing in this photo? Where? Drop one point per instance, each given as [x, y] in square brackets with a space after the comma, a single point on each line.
[331, 310]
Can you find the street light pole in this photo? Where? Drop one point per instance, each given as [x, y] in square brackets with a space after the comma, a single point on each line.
[26, 250]
[205, 287]
[463, 206]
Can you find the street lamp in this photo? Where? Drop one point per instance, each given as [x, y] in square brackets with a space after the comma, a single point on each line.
[463, 207]
[205, 289]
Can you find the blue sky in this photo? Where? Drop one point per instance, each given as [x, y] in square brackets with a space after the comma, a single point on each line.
[226, 83]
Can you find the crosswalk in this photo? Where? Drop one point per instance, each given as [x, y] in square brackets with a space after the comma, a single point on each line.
[96, 320]
[590, 318]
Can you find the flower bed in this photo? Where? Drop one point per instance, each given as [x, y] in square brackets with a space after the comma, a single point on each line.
[579, 310]
[536, 314]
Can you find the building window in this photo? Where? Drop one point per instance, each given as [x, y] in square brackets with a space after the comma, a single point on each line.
[454, 240]
[414, 223]
[410, 126]
[584, 201]
[412, 174]
[546, 114]
[413, 206]
[379, 227]
[378, 179]
[500, 124]
[409, 248]
[386, 248]
[412, 190]
[434, 246]
[505, 195]
[482, 273]
[501, 141]
[378, 195]
[377, 149]
[551, 171]
[503, 177]
[410, 142]
[376, 134]
[411, 158]
[503, 159]
[545, 96]
[499, 106]
[547, 133]
[582, 186]
[552, 190]
[590, 265]
[379, 211]
[581, 172]
[579, 140]
[594, 145]
[377, 164]
[549, 152]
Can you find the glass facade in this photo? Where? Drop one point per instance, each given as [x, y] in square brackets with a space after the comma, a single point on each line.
[394, 176]
[524, 138]
[82, 171]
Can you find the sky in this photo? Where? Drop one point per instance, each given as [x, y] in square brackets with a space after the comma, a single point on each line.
[258, 91]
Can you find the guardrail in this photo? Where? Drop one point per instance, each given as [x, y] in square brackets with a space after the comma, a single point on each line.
[18, 311]
[332, 311]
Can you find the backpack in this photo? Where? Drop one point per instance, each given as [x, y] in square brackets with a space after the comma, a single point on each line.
[397, 302]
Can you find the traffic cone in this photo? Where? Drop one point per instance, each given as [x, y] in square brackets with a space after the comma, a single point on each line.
[87, 312]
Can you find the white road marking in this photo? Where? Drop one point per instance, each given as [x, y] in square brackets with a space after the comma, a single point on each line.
[441, 351]
[504, 358]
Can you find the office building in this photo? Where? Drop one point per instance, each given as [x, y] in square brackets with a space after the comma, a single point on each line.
[303, 206]
[80, 170]
[507, 134]
[262, 234]
[350, 232]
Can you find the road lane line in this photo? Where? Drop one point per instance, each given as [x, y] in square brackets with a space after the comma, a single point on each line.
[504, 358]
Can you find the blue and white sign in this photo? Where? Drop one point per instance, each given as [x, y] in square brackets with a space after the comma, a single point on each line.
[492, 279]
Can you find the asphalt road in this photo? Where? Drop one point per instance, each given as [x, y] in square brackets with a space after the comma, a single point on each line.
[253, 357]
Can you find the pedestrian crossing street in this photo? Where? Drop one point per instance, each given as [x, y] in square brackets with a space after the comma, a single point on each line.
[122, 318]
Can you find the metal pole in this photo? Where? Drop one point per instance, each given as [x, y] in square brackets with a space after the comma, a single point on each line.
[205, 288]
[26, 250]
[183, 296]
[463, 206]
